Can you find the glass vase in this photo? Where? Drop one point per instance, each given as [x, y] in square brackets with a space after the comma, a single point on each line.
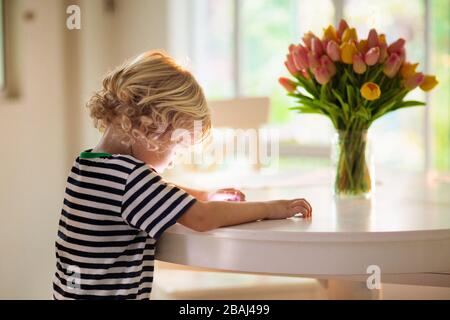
[353, 165]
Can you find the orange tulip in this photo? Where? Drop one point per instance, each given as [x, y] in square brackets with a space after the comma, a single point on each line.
[414, 81]
[350, 34]
[382, 38]
[330, 34]
[363, 46]
[370, 91]
[289, 85]
[429, 82]
[408, 69]
[348, 50]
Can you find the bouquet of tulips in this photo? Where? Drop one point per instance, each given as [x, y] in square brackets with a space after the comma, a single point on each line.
[353, 82]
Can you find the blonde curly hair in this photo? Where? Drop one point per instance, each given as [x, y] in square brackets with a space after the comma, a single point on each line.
[148, 98]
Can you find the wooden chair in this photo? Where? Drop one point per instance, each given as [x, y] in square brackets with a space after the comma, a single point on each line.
[241, 113]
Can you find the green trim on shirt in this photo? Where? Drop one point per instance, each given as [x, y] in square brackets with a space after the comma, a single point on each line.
[90, 155]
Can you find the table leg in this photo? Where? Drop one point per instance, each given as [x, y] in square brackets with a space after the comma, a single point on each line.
[350, 290]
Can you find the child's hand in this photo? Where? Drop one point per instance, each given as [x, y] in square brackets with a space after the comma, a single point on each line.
[228, 194]
[282, 209]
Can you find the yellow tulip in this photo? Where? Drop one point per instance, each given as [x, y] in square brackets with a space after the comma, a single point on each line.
[348, 50]
[408, 70]
[370, 91]
[349, 34]
[382, 38]
[330, 33]
[363, 46]
[429, 83]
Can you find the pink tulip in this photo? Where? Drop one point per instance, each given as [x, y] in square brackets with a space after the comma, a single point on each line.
[289, 63]
[358, 64]
[383, 52]
[325, 44]
[326, 62]
[289, 85]
[321, 74]
[292, 47]
[392, 65]
[414, 81]
[300, 55]
[316, 47]
[397, 46]
[372, 56]
[402, 54]
[372, 39]
[333, 50]
[313, 60]
[291, 70]
[307, 39]
[341, 28]
[305, 74]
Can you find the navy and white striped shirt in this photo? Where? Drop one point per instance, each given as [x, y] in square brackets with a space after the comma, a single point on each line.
[115, 208]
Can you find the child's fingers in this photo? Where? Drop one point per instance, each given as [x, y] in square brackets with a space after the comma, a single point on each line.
[241, 195]
[307, 203]
[237, 194]
[300, 209]
[301, 203]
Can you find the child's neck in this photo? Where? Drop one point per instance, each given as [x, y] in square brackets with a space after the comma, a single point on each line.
[110, 143]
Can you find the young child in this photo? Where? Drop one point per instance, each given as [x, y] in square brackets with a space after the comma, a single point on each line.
[116, 204]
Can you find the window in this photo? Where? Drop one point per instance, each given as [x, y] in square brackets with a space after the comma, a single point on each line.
[404, 129]
[439, 34]
[212, 35]
[238, 48]
[267, 28]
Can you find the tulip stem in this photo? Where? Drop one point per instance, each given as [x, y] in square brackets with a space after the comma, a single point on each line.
[352, 172]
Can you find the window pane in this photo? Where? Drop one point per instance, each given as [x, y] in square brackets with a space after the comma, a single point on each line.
[440, 97]
[268, 27]
[402, 130]
[212, 54]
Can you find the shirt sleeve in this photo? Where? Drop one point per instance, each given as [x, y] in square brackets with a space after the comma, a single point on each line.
[150, 203]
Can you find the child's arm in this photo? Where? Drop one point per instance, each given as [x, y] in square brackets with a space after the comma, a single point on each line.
[221, 194]
[197, 194]
[208, 215]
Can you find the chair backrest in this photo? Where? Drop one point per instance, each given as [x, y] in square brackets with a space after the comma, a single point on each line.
[240, 113]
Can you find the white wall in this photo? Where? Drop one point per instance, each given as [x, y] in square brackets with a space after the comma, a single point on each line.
[32, 156]
[42, 131]
[109, 38]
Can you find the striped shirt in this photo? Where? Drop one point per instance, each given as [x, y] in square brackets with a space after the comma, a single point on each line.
[115, 209]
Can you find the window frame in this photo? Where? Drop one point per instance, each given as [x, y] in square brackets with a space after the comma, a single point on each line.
[339, 14]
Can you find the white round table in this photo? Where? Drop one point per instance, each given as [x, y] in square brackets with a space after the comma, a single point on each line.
[403, 229]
